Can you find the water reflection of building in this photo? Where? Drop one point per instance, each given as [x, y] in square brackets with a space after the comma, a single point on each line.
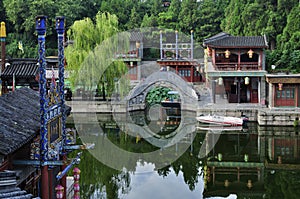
[234, 165]
[237, 162]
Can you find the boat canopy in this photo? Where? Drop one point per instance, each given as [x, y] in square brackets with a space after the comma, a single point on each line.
[173, 93]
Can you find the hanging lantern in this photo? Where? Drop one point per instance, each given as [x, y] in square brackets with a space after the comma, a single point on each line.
[59, 191]
[247, 80]
[220, 156]
[227, 53]
[280, 86]
[226, 183]
[250, 53]
[220, 81]
[249, 184]
[246, 157]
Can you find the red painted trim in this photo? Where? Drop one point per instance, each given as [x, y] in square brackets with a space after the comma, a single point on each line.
[64, 179]
[45, 183]
[4, 165]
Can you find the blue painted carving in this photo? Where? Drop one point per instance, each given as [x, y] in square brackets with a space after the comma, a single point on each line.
[60, 28]
[40, 26]
[52, 104]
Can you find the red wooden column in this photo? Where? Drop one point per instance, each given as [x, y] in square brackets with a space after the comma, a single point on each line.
[3, 53]
[192, 73]
[239, 59]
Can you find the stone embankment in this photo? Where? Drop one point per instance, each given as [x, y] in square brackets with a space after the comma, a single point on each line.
[264, 116]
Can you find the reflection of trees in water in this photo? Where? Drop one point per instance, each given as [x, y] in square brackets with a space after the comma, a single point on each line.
[282, 184]
[188, 163]
[100, 181]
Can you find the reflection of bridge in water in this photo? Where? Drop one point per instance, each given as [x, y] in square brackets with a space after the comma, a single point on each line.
[155, 133]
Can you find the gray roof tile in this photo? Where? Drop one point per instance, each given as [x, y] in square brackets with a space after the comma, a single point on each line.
[229, 41]
[21, 70]
[19, 118]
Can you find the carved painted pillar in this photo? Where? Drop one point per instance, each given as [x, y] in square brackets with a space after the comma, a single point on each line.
[60, 28]
[41, 30]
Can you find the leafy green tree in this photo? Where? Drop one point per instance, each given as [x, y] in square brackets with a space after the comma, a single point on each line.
[252, 18]
[120, 8]
[148, 21]
[90, 57]
[211, 13]
[21, 19]
[169, 19]
[134, 20]
[292, 27]
[232, 23]
[188, 17]
[289, 43]
[2, 11]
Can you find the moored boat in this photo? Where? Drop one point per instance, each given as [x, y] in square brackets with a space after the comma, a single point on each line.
[222, 120]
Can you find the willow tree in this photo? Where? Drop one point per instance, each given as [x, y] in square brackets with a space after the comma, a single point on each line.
[90, 58]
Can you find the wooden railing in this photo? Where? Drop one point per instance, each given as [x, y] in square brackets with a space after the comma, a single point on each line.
[235, 66]
[130, 54]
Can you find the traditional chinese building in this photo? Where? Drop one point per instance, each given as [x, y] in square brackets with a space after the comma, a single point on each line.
[236, 67]
[20, 73]
[133, 57]
[20, 138]
[19, 130]
[284, 90]
[177, 54]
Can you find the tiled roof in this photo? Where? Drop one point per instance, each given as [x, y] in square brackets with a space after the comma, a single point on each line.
[21, 70]
[8, 188]
[19, 118]
[229, 41]
[136, 36]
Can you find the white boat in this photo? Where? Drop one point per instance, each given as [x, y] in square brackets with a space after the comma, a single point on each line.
[219, 128]
[222, 120]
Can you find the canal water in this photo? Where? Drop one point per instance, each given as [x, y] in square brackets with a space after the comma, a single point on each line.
[168, 156]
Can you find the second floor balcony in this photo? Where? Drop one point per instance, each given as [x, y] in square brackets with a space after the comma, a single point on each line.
[235, 66]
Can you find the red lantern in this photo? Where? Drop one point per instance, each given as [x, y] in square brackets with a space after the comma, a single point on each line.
[76, 175]
[59, 191]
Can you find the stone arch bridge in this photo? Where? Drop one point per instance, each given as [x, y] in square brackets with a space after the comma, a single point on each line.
[137, 97]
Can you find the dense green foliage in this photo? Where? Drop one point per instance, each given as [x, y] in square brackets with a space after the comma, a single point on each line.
[157, 94]
[277, 19]
[90, 56]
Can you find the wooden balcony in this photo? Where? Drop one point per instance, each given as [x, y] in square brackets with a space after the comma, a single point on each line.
[245, 66]
[130, 54]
